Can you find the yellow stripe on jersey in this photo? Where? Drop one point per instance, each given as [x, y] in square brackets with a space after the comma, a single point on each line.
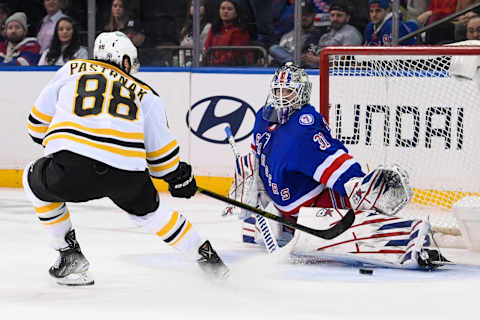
[48, 207]
[162, 151]
[109, 66]
[41, 116]
[63, 218]
[189, 225]
[38, 128]
[169, 225]
[122, 152]
[110, 132]
[165, 166]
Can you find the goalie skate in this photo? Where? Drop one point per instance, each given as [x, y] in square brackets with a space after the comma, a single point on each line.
[71, 267]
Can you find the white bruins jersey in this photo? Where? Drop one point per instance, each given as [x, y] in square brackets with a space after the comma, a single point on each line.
[95, 109]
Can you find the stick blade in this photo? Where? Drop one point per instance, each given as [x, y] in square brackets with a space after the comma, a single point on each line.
[339, 228]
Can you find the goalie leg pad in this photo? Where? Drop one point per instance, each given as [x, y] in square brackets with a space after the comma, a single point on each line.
[259, 230]
[375, 239]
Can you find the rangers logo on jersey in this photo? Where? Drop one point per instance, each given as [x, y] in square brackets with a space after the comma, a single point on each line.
[306, 119]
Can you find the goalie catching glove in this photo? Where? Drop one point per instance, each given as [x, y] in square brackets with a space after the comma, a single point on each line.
[385, 189]
[181, 182]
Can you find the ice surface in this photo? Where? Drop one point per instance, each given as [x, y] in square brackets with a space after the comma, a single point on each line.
[138, 277]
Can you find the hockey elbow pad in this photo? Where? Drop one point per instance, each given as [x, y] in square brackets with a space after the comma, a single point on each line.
[181, 182]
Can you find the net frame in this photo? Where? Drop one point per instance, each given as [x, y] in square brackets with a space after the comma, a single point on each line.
[325, 72]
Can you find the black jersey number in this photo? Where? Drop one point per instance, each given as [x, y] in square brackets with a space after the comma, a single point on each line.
[92, 88]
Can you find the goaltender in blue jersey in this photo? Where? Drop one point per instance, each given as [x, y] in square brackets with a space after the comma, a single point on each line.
[300, 158]
[296, 163]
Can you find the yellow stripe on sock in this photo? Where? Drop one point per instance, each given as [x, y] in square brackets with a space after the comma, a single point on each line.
[189, 225]
[65, 217]
[48, 207]
[169, 225]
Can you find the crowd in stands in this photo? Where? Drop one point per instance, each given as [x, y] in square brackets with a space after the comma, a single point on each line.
[259, 32]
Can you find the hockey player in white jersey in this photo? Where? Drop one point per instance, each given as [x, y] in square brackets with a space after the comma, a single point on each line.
[296, 163]
[105, 134]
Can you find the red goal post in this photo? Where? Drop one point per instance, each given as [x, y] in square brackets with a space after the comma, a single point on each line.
[415, 106]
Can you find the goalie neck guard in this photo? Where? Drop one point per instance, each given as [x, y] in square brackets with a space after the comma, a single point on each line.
[290, 89]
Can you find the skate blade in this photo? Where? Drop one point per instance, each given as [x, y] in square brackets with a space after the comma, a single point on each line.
[75, 280]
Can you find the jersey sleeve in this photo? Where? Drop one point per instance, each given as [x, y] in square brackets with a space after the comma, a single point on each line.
[326, 159]
[161, 146]
[44, 107]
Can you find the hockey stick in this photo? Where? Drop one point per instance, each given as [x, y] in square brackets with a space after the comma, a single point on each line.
[339, 228]
[262, 224]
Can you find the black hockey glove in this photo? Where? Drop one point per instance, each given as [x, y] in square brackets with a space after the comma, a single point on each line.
[181, 182]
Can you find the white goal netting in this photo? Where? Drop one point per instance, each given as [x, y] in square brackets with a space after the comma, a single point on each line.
[417, 107]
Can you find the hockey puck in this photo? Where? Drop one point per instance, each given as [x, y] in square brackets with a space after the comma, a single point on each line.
[366, 271]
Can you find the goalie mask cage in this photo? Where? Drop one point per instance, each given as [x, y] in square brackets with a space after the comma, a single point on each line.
[418, 107]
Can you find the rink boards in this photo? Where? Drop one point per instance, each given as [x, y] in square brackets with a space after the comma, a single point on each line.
[200, 104]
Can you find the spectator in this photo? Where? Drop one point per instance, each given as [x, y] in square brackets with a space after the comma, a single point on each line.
[260, 20]
[186, 33]
[283, 17]
[473, 28]
[284, 51]
[437, 10]
[462, 4]
[416, 8]
[460, 23]
[17, 50]
[65, 45]
[146, 54]
[379, 30]
[119, 15]
[341, 33]
[322, 18]
[135, 32]
[3, 16]
[47, 28]
[227, 30]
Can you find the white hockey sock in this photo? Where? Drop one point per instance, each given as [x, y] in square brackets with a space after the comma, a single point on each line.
[53, 215]
[173, 228]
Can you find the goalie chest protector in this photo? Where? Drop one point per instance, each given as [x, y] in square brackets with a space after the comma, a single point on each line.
[300, 158]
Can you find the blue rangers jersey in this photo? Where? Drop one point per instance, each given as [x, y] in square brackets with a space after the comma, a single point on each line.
[299, 159]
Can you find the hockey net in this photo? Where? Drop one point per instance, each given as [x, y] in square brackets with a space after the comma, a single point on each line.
[418, 107]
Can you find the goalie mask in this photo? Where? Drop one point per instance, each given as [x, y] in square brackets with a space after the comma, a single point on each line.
[114, 47]
[290, 90]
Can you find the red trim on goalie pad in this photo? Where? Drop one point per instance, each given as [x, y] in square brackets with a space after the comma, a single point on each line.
[416, 224]
[247, 229]
[382, 251]
[375, 236]
[333, 167]
[254, 147]
[373, 221]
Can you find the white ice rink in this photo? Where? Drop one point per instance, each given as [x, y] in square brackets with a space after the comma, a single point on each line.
[139, 277]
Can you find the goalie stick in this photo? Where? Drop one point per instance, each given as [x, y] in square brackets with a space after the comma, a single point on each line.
[327, 234]
[263, 225]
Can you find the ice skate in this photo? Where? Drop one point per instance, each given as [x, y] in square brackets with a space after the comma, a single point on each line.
[71, 267]
[210, 262]
[431, 259]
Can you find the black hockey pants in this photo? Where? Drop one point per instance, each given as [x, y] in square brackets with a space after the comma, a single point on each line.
[69, 177]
